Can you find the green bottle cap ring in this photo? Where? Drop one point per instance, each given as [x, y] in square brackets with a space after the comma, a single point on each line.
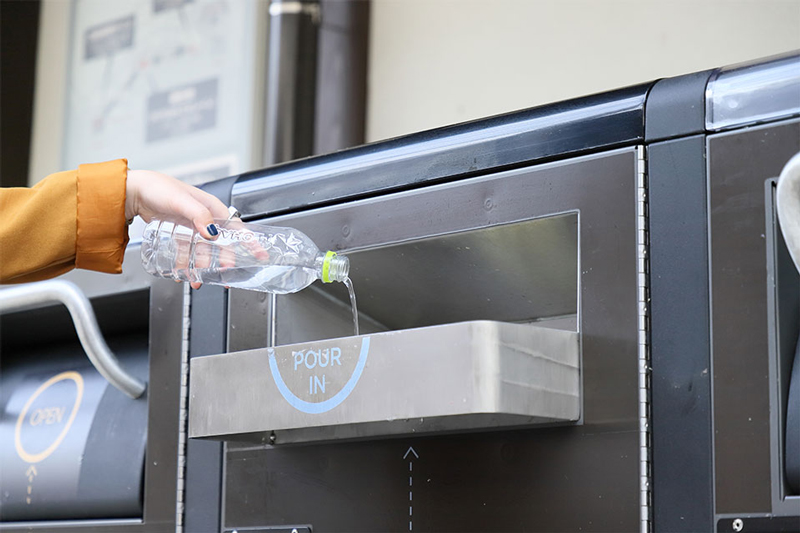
[326, 267]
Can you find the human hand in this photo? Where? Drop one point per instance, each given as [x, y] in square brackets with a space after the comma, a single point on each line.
[152, 194]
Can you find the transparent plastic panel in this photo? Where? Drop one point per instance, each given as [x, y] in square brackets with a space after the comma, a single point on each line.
[754, 92]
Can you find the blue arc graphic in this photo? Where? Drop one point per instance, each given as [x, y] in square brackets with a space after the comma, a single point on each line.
[315, 408]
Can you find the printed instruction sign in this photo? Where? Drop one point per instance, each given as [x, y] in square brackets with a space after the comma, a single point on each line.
[182, 110]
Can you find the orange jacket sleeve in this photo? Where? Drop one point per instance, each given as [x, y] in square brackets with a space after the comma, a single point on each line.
[73, 219]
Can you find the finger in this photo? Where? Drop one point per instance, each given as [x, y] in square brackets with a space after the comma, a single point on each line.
[256, 250]
[203, 253]
[199, 215]
[211, 202]
[227, 258]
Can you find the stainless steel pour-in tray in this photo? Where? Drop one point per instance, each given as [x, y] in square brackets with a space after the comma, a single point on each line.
[460, 376]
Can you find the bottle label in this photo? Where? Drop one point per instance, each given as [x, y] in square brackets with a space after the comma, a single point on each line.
[268, 241]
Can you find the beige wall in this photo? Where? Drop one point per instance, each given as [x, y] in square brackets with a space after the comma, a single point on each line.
[49, 94]
[438, 62]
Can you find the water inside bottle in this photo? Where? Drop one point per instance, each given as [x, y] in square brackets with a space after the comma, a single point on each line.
[277, 279]
[349, 284]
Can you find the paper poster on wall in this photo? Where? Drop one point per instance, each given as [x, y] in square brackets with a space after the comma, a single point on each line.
[163, 83]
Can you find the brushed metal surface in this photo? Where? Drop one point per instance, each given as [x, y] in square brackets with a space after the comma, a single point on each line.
[492, 273]
[566, 478]
[417, 380]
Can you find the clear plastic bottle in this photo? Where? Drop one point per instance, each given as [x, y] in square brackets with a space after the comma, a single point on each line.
[246, 256]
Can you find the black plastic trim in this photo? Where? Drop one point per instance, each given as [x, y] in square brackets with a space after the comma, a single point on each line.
[680, 355]
[676, 107]
[578, 126]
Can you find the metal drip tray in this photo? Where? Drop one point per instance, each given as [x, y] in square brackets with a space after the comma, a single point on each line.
[462, 376]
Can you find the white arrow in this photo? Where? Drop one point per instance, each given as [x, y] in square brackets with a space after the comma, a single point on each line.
[411, 450]
[411, 486]
[30, 472]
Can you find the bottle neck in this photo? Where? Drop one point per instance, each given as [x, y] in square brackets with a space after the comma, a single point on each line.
[332, 267]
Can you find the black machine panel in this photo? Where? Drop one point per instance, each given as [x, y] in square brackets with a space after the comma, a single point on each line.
[739, 164]
[783, 301]
[56, 435]
[71, 445]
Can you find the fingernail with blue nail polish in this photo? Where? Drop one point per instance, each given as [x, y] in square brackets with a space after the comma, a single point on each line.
[212, 229]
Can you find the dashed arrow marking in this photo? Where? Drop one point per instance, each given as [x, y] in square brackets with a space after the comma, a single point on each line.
[411, 485]
[31, 473]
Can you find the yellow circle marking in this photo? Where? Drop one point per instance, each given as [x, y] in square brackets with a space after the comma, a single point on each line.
[37, 457]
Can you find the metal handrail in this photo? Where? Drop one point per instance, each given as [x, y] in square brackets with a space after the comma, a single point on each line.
[67, 293]
[787, 198]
